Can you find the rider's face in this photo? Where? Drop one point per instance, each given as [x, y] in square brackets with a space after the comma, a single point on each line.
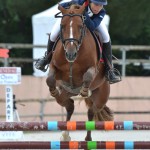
[96, 8]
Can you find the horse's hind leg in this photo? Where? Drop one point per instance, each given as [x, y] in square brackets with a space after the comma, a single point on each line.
[98, 111]
[100, 98]
[70, 109]
[90, 118]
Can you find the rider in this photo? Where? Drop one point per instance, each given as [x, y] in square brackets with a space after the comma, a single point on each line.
[94, 15]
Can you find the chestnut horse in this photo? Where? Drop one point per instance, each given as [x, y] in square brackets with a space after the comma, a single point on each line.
[75, 69]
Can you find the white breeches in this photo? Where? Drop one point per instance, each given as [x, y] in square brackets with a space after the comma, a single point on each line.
[103, 32]
[55, 30]
[102, 29]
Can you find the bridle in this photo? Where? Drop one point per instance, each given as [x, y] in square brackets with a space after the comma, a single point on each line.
[77, 42]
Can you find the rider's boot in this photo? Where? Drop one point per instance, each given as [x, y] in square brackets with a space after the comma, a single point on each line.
[112, 74]
[43, 62]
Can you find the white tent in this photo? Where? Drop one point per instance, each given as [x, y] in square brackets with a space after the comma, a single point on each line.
[42, 24]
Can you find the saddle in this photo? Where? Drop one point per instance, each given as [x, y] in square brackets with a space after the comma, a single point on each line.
[98, 45]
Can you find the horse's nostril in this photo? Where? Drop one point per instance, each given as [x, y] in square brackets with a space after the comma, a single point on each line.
[66, 54]
[75, 54]
[71, 56]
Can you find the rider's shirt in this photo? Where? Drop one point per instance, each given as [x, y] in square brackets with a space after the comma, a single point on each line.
[92, 21]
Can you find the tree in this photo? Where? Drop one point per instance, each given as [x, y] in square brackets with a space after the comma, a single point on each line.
[130, 23]
[16, 16]
[16, 27]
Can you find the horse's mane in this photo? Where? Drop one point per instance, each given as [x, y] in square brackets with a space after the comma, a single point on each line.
[74, 8]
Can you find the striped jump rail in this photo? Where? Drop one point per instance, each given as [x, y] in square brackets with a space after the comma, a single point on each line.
[75, 145]
[72, 125]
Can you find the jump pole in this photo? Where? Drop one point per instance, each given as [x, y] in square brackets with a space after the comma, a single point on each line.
[75, 145]
[73, 125]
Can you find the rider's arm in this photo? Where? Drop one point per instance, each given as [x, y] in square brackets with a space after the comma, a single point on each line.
[93, 22]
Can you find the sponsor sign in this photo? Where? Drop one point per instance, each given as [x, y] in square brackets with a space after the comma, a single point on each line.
[10, 75]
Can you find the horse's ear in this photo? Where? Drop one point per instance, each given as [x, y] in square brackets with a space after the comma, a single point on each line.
[82, 8]
[62, 9]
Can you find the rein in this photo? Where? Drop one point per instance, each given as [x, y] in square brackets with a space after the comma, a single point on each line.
[70, 75]
[79, 41]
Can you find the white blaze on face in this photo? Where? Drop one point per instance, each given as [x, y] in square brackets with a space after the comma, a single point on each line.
[71, 31]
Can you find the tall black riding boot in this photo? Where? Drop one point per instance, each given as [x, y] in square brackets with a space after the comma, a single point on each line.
[41, 63]
[112, 74]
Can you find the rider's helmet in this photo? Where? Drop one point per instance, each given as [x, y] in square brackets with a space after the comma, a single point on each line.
[99, 2]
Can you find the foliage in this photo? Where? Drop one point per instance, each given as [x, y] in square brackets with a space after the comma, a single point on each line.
[15, 16]
[130, 23]
[16, 26]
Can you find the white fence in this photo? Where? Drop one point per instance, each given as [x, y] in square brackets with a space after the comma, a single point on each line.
[123, 48]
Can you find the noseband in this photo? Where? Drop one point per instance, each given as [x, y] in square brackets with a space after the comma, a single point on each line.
[77, 42]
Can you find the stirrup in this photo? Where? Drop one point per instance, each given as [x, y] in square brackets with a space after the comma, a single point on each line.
[39, 67]
[116, 72]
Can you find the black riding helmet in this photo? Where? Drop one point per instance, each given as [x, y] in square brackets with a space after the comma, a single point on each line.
[99, 2]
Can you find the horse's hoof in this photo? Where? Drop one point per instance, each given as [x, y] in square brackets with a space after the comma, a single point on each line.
[65, 136]
[55, 92]
[62, 138]
[86, 94]
[88, 139]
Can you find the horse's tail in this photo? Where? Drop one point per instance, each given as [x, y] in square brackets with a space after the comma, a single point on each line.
[106, 114]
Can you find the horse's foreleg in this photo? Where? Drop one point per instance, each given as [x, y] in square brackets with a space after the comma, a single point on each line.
[90, 118]
[87, 79]
[51, 82]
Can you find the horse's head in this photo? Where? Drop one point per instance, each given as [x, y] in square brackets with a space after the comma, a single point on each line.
[72, 30]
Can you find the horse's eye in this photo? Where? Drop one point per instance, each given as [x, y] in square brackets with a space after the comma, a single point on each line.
[62, 26]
